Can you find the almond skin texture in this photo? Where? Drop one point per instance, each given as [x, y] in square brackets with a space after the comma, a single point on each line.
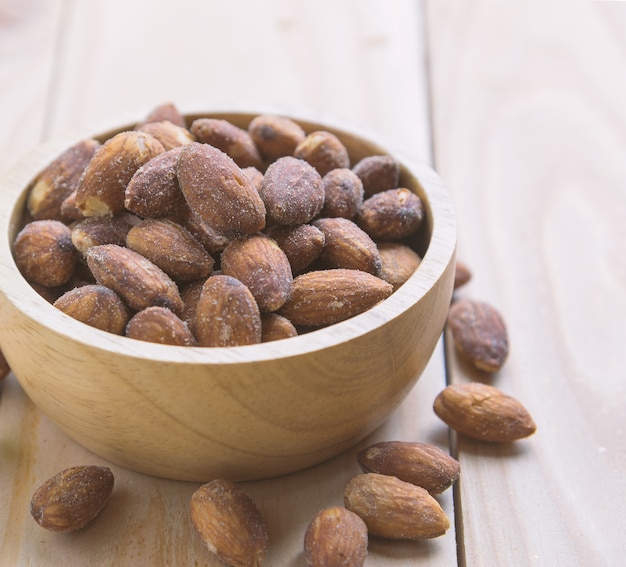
[229, 524]
[325, 297]
[399, 262]
[347, 246]
[302, 244]
[378, 173]
[139, 282]
[165, 111]
[94, 231]
[100, 191]
[96, 306]
[259, 263]
[44, 253]
[227, 314]
[275, 136]
[159, 325]
[418, 463]
[72, 498]
[483, 412]
[336, 537]
[170, 135]
[292, 191]
[394, 509]
[479, 334]
[172, 248]
[324, 151]
[276, 327]
[218, 191]
[343, 194]
[55, 183]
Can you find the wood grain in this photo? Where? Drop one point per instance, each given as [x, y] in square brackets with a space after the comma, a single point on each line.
[529, 125]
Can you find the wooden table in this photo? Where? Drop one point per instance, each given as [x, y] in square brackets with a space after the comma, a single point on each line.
[520, 107]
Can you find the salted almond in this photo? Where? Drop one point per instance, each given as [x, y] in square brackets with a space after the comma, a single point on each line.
[399, 262]
[159, 325]
[153, 191]
[324, 297]
[72, 498]
[229, 523]
[213, 241]
[343, 192]
[57, 180]
[170, 135]
[324, 151]
[165, 111]
[394, 509]
[254, 175]
[421, 464]
[218, 191]
[378, 173]
[171, 247]
[479, 334]
[336, 537]
[4, 366]
[69, 208]
[96, 306]
[347, 246]
[275, 136]
[137, 280]
[259, 263]
[302, 243]
[100, 191]
[483, 412]
[391, 215]
[227, 314]
[190, 293]
[292, 191]
[276, 327]
[232, 140]
[44, 253]
[94, 231]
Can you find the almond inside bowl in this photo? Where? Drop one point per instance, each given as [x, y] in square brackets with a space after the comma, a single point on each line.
[244, 412]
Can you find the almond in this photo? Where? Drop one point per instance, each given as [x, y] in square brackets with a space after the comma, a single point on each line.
[292, 191]
[229, 523]
[483, 412]
[55, 183]
[324, 151]
[213, 241]
[462, 274]
[171, 247]
[336, 537]
[254, 175]
[259, 263]
[394, 509]
[276, 327]
[275, 136]
[159, 325]
[96, 306]
[378, 173]
[165, 111]
[44, 253]
[227, 314]
[343, 192]
[325, 297]
[94, 231]
[418, 463]
[302, 244]
[72, 498]
[347, 246]
[391, 215]
[138, 281]
[218, 191]
[170, 135]
[479, 334]
[190, 294]
[232, 140]
[399, 262]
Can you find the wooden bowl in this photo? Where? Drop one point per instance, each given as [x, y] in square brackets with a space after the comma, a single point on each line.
[247, 412]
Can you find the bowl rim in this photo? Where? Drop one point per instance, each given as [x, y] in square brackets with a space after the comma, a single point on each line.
[436, 260]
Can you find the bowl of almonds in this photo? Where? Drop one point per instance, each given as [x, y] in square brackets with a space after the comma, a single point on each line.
[231, 294]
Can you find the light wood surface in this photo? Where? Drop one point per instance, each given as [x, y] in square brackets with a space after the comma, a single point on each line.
[523, 106]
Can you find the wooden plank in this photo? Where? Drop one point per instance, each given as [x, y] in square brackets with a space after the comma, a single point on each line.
[529, 124]
[357, 63]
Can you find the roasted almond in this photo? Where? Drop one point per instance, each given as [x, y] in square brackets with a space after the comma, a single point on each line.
[259, 263]
[165, 111]
[275, 136]
[253, 175]
[324, 151]
[100, 191]
[94, 231]
[343, 194]
[483, 412]
[44, 253]
[479, 334]
[218, 191]
[302, 243]
[336, 537]
[394, 509]
[229, 523]
[227, 314]
[55, 183]
[171, 247]
[421, 464]
[378, 173]
[347, 246]
[170, 135]
[276, 327]
[325, 297]
[159, 325]
[213, 241]
[96, 306]
[72, 498]
[292, 191]
[399, 262]
[138, 281]
[190, 294]
[391, 215]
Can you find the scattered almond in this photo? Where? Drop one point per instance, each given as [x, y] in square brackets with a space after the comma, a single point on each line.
[462, 274]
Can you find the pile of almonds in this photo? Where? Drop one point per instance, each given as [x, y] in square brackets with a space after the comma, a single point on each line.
[214, 235]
